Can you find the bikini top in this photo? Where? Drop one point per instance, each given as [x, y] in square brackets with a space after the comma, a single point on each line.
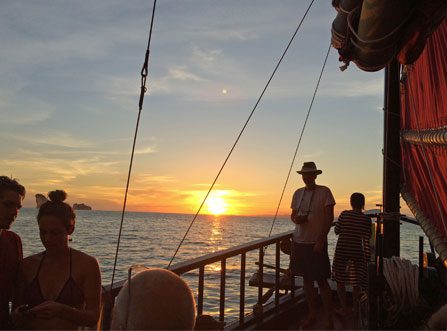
[70, 294]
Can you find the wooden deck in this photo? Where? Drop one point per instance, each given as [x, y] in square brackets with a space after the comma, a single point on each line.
[294, 320]
[348, 322]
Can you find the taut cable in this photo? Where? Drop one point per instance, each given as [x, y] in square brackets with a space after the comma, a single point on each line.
[299, 141]
[144, 72]
[241, 132]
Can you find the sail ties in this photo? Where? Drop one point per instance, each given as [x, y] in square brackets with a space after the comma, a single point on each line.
[425, 159]
[144, 73]
[433, 137]
[242, 130]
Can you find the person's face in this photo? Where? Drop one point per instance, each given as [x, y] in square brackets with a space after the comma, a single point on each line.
[309, 179]
[10, 203]
[53, 233]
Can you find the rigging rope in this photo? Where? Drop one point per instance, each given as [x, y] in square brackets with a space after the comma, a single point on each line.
[242, 131]
[299, 141]
[144, 72]
[403, 280]
[424, 152]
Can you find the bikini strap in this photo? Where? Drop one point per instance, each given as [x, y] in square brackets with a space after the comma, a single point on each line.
[40, 264]
[71, 254]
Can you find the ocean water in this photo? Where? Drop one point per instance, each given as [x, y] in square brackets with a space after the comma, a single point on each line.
[150, 239]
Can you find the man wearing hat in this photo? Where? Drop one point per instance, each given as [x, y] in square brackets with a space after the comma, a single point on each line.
[313, 214]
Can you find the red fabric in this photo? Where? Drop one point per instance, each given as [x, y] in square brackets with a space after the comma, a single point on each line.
[10, 257]
[424, 106]
[427, 17]
[426, 86]
[418, 181]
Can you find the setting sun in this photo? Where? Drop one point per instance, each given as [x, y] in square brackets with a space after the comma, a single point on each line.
[216, 205]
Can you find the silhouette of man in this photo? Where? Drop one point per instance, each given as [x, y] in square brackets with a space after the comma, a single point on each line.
[313, 213]
[11, 196]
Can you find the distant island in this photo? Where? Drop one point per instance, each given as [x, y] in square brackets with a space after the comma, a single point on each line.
[40, 200]
[81, 206]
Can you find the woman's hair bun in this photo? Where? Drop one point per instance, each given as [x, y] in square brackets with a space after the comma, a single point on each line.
[57, 196]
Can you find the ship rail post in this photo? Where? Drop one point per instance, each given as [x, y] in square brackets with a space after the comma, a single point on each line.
[200, 263]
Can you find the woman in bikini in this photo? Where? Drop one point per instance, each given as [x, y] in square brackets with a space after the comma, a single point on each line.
[59, 288]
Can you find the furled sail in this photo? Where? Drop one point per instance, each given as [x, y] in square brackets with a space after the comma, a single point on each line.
[371, 33]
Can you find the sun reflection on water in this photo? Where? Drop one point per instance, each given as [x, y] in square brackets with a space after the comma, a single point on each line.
[215, 240]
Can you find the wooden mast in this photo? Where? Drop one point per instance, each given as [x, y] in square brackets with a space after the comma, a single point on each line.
[391, 162]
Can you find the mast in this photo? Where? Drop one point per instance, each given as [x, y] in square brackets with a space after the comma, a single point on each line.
[391, 162]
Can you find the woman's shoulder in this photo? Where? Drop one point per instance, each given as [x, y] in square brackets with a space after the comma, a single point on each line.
[344, 213]
[32, 259]
[83, 258]
[30, 264]
[355, 216]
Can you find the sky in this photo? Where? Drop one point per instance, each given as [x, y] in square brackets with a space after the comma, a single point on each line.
[69, 90]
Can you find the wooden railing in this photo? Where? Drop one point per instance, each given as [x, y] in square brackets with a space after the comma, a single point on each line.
[221, 256]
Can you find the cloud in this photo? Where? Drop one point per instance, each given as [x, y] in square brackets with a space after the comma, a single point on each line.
[62, 169]
[227, 34]
[16, 110]
[311, 156]
[149, 178]
[181, 73]
[146, 150]
[353, 88]
[205, 56]
[54, 138]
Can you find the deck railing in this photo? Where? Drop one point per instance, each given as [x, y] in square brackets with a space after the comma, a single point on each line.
[222, 256]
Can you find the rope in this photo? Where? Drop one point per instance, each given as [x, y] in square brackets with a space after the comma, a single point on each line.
[144, 72]
[299, 141]
[242, 130]
[403, 279]
[424, 152]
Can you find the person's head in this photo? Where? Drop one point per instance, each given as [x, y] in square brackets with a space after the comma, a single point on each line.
[11, 197]
[56, 220]
[158, 299]
[357, 201]
[309, 173]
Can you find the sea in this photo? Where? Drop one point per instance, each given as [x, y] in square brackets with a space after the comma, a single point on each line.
[150, 240]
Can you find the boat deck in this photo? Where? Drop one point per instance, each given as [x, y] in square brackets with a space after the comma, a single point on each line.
[348, 322]
[295, 321]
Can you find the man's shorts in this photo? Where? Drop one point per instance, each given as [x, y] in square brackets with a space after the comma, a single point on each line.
[305, 262]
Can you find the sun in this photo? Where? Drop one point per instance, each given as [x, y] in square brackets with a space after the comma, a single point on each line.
[216, 205]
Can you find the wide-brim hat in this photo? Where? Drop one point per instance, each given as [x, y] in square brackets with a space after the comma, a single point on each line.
[309, 168]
